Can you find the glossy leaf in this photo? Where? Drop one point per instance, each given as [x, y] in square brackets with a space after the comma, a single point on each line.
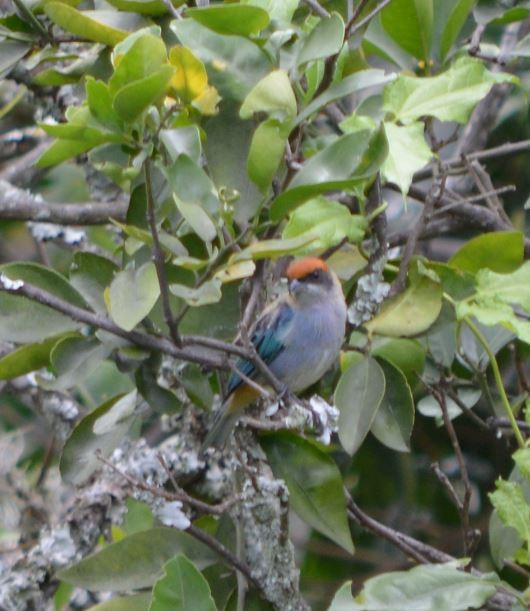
[134, 562]
[106, 27]
[265, 249]
[450, 96]
[228, 140]
[501, 252]
[266, 153]
[231, 18]
[272, 95]
[99, 103]
[347, 162]
[73, 359]
[90, 275]
[154, 8]
[314, 482]
[209, 292]
[26, 321]
[182, 141]
[101, 430]
[412, 311]
[132, 295]
[27, 358]
[190, 183]
[394, 419]
[407, 153]
[428, 587]
[494, 297]
[430, 408]
[456, 20]
[409, 23]
[197, 219]
[182, 587]
[512, 508]
[234, 64]
[408, 355]
[132, 99]
[358, 396]
[351, 84]
[11, 52]
[328, 221]
[325, 39]
[190, 78]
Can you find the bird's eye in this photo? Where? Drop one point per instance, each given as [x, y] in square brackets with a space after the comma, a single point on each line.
[315, 275]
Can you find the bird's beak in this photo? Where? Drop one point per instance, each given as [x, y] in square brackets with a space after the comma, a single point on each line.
[294, 286]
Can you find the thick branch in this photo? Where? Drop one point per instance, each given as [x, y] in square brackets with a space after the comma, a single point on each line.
[21, 205]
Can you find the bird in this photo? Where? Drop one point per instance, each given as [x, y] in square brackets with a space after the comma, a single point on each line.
[299, 336]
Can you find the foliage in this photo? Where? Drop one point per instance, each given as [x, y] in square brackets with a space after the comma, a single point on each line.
[213, 141]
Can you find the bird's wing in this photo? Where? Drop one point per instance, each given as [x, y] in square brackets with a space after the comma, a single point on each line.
[266, 337]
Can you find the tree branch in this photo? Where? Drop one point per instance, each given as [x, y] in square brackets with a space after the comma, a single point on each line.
[21, 205]
[158, 257]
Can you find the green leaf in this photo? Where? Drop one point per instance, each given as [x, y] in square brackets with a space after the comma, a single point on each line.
[345, 163]
[208, 293]
[454, 24]
[521, 458]
[266, 249]
[132, 99]
[325, 39]
[99, 103]
[411, 312]
[25, 321]
[408, 355]
[351, 84]
[328, 221]
[139, 56]
[409, 23]
[27, 358]
[197, 219]
[134, 562]
[181, 588]
[238, 19]
[266, 153]
[228, 139]
[234, 64]
[279, 10]
[106, 27]
[358, 396]
[512, 508]
[494, 297]
[182, 141]
[90, 275]
[501, 252]
[73, 359]
[450, 96]
[103, 430]
[62, 150]
[132, 295]
[394, 419]
[273, 95]
[343, 599]
[138, 602]
[314, 482]
[191, 184]
[430, 408]
[11, 52]
[428, 587]
[407, 153]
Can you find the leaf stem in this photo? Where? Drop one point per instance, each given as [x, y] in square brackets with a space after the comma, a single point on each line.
[498, 380]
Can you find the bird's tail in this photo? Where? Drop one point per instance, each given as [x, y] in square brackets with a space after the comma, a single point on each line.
[221, 429]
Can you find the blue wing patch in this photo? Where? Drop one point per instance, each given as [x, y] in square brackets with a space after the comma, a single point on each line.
[265, 339]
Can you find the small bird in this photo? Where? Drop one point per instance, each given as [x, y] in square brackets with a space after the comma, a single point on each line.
[298, 336]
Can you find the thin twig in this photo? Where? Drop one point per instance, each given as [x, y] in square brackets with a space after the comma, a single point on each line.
[317, 8]
[193, 530]
[158, 257]
[360, 24]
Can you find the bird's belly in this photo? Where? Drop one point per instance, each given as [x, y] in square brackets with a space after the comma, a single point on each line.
[299, 367]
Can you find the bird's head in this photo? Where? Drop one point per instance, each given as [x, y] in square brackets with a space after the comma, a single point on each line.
[310, 281]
